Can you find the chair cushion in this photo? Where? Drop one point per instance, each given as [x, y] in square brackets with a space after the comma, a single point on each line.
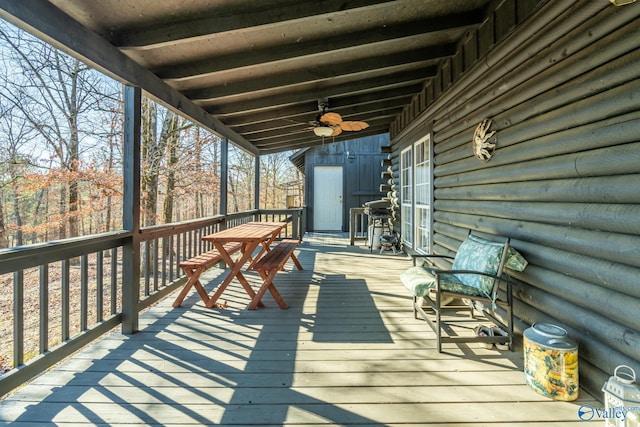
[419, 281]
[515, 261]
[477, 254]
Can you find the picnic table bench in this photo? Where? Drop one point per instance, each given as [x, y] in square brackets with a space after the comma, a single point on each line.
[269, 265]
[194, 267]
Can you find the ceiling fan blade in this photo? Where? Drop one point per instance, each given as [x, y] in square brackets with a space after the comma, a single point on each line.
[354, 125]
[331, 119]
[336, 131]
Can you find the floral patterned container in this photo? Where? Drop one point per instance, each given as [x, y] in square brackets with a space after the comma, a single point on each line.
[551, 362]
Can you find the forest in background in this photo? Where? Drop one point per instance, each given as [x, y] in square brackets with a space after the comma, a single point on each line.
[61, 147]
[61, 142]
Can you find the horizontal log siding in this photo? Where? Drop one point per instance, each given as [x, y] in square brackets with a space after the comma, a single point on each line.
[564, 182]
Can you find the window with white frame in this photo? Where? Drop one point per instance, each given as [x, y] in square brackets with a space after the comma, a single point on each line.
[422, 195]
[406, 195]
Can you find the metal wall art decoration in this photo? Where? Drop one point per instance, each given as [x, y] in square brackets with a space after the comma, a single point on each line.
[483, 148]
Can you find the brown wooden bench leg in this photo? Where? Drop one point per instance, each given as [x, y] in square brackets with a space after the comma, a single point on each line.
[296, 262]
[267, 283]
[194, 280]
[235, 266]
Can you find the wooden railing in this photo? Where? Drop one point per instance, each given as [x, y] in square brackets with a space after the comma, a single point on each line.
[358, 225]
[68, 293]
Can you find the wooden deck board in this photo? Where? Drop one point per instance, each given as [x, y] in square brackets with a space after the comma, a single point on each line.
[347, 351]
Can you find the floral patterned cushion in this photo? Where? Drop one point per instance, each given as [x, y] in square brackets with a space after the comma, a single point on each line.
[450, 283]
[515, 261]
[477, 254]
[419, 281]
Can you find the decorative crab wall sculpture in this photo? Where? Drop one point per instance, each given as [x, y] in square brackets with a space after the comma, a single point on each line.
[483, 148]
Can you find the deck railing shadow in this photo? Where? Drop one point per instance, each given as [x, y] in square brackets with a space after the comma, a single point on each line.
[270, 391]
[205, 366]
[104, 280]
[346, 312]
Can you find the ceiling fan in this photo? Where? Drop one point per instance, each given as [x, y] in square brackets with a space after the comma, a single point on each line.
[329, 123]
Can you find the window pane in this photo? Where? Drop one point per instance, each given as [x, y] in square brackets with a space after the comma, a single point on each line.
[422, 195]
[406, 207]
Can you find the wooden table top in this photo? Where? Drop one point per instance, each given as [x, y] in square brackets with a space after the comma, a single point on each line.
[247, 232]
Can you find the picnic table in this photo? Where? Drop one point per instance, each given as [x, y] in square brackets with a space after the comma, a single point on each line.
[250, 235]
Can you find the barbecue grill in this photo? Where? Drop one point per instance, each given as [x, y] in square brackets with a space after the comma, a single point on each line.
[380, 231]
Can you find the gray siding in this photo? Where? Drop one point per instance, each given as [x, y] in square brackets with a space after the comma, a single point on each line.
[362, 169]
[564, 182]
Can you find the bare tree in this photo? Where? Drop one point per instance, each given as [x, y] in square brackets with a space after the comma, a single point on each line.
[62, 177]
[15, 135]
[206, 179]
[4, 242]
[276, 170]
[241, 179]
[172, 133]
[51, 91]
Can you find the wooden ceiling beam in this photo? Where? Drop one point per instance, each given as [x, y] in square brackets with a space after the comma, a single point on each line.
[377, 64]
[261, 13]
[286, 51]
[301, 112]
[325, 90]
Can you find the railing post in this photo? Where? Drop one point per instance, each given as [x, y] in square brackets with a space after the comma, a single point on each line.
[224, 178]
[303, 221]
[256, 201]
[131, 209]
[352, 226]
[295, 228]
[18, 318]
[355, 225]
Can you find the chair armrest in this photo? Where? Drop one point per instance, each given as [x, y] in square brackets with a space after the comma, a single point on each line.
[480, 273]
[414, 256]
[504, 278]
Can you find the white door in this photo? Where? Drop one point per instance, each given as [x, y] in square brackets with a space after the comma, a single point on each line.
[327, 198]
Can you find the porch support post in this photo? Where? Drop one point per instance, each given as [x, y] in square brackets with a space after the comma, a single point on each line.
[256, 201]
[131, 209]
[224, 176]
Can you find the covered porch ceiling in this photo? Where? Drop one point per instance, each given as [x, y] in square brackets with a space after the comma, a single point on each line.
[256, 71]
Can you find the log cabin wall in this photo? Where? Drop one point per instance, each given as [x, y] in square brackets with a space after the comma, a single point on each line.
[561, 82]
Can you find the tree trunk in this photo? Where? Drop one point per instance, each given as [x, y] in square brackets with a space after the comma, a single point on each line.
[4, 242]
[62, 205]
[172, 160]
[149, 178]
[197, 158]
[37, 212]
[234, 194]
[216, 173]
[73, 162]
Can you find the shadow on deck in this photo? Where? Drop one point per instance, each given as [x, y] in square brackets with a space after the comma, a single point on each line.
[347, 352]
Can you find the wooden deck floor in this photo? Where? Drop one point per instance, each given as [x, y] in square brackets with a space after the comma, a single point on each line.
[347, 352]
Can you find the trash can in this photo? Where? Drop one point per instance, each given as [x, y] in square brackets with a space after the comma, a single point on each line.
[551, 362]
[375, 231]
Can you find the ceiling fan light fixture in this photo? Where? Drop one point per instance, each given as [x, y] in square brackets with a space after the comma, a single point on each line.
[323, 131]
